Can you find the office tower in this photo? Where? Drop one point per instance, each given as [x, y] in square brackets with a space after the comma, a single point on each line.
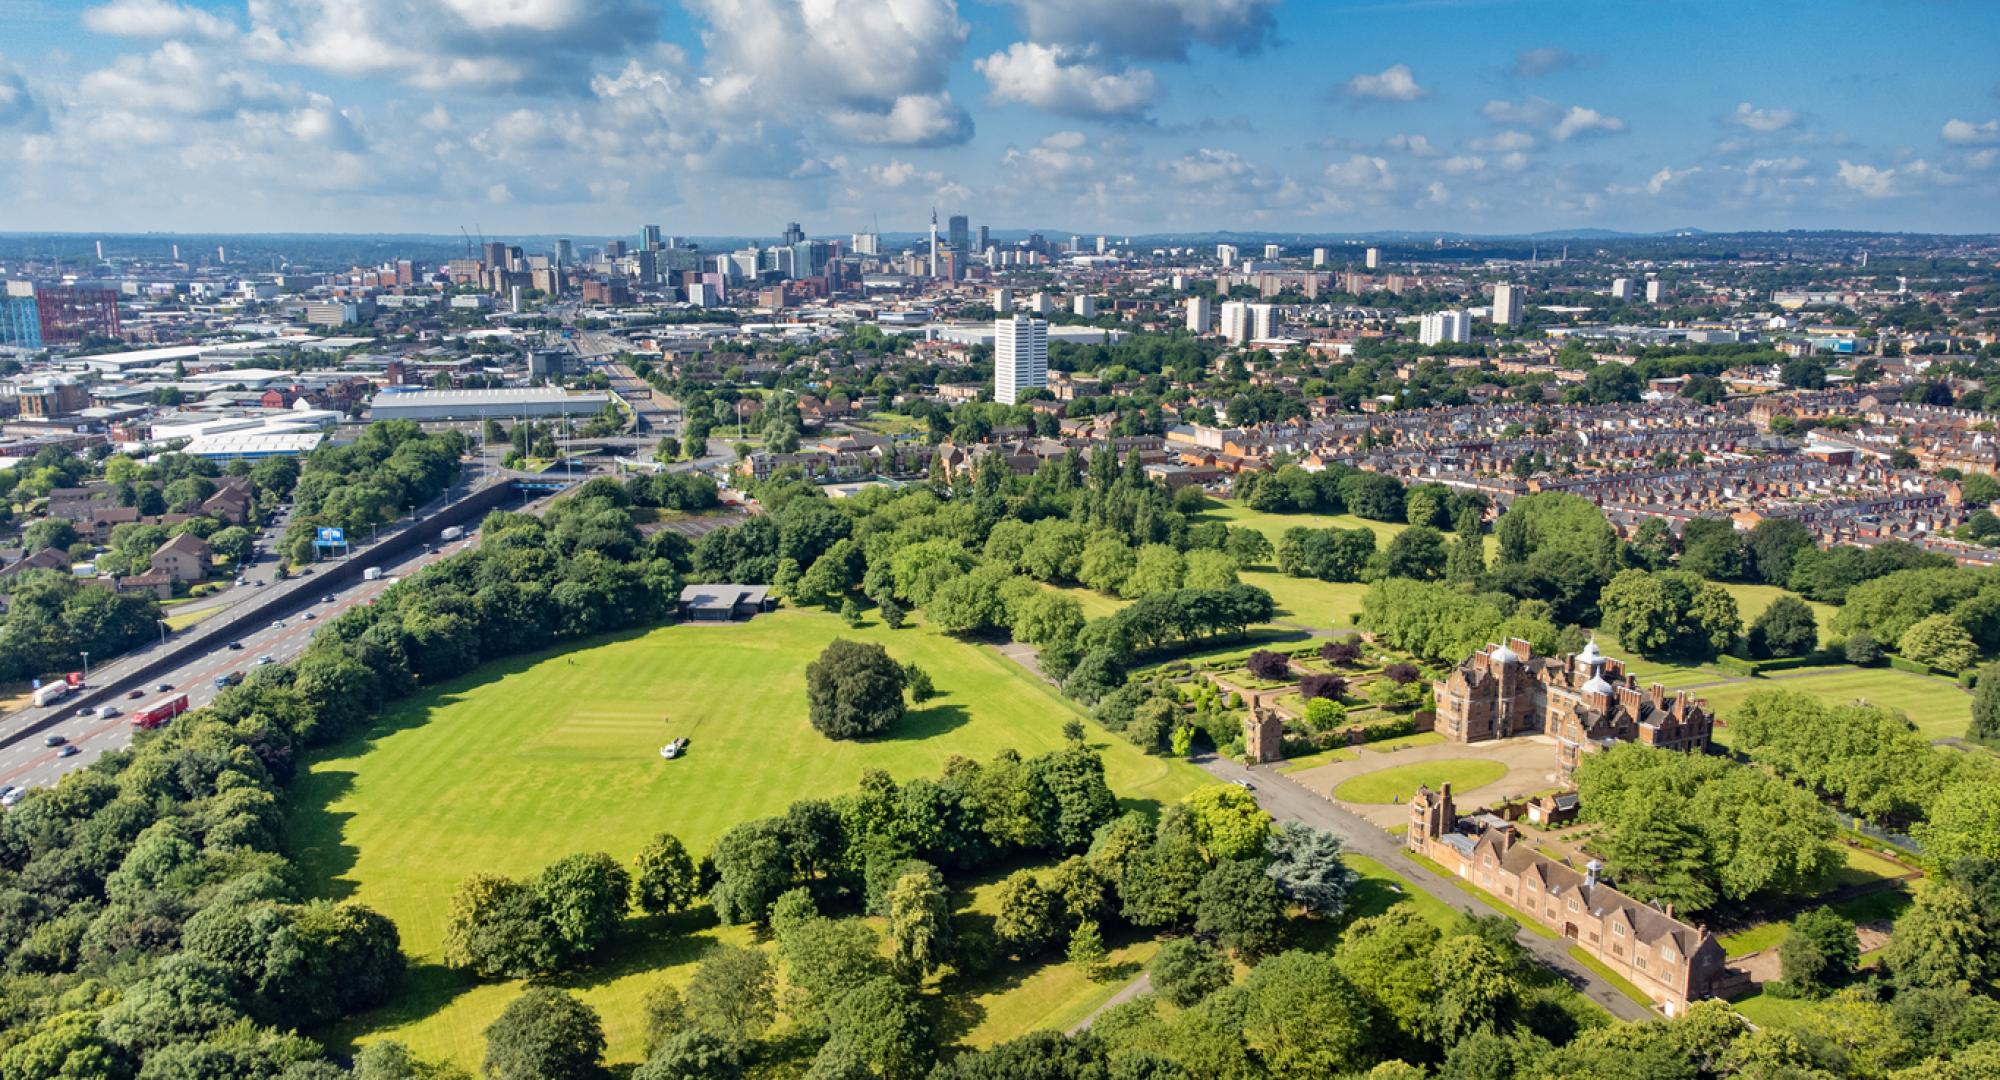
[985, 239]
[565, 254]
[1272, 251]
[793, 234]
[959, 230]
[1084, 306]
[1441, 327]
[1506, 304]
[1020, 357]
[177, 252]
[1226, 254]
[865, 243]
[1042, 304]
[649, 238]
[1372, 259]
[1100, 245]
[1200, 314]
[1003, 301]
[514, 298]
[100, 251]
[614, 249]
[221, 254]
[649, 266]
[1075, 242]
[495, 255]
[1621, 290]
[1319, 257]
[1653, 290]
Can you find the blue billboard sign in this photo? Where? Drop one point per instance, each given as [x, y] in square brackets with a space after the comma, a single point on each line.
[332, 535]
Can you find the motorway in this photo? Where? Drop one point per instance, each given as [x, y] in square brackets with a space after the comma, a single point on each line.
[32, 763]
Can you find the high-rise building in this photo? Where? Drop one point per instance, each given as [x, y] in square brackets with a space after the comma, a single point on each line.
[1372, 259]
[985, 239]
[793, 234]
[865, 243]
[43, 316]
[1319, 257]
[1200, 314]
[1003, 301]
[1020, 357]
[1042, 304]
[934, 244]
[649, 238]
[959, 231]
[1441, 327]
[565, 254]
[1653, 292]
[20, 324]
[1244, 322]
[1622, 291]
[1225, 254]
[1263, 322]
[1506, 304]
[1272, 251]
[495, 255]
[1084, 306]
[1100, 245]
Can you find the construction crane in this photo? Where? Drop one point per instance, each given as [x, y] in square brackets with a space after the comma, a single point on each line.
[468, 241]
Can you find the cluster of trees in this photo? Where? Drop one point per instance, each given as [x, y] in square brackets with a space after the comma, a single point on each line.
[1947, 618]
[1690, 830]
[394, 467]
[1338, 489]
[1873, 763]
[52, 619]
[1441, 623]
[498, 927]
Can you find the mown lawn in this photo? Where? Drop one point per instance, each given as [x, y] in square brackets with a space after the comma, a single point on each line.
[532, 759]
[1399, 782]
[1936, 705]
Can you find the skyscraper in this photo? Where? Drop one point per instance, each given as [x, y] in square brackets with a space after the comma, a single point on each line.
[1373, 259]
[793, 234]
[1244, 322]
[934, 243]
[649, 238]
[1506, 304]
[1319, 257]
[960, 232]
[565, 254]
[1084, 306]
[1020, 357]
[1653, 290]
[1622, 291]
[1225, 254]
[1440, 327]
[986, 238]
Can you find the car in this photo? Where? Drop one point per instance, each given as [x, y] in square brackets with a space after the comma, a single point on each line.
[267, 658]
[305, 570]
[68, 750]
[260, 583]
[164, 687]
[235, 645]
[87, 710]
[277, 624]
[310, 616]
[1244, 784]
[327, 599]
[135, 694]
[12, 797]
[54, 740]
[242, 581]
[107, 711]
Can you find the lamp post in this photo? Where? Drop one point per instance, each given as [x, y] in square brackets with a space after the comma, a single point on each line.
[86, 669]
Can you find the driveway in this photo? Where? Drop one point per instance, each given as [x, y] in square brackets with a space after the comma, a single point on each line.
[1530, 761]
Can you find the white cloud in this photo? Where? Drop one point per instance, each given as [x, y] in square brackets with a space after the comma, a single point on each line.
[177, 80]
[155, 19]
[19, 106]
[1763, 121]
[1059, 80]
[1503, 142]
[1395, 83]
[1784, 166]
[913, 120]
[1870, 181]
[1579, 121]
[1530, 112]
[1361, 173]
[1967, 133]
[1413, 145]
[1666, 176]
[1532, 63]
[1463, 165]
[1150, 29]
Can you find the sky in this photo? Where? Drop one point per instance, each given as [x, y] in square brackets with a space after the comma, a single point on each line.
[1122, 117]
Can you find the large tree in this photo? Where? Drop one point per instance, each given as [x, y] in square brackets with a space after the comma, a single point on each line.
[545, 1034]
[854, 690]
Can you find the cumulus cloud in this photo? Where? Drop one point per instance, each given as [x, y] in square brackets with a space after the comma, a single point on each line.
[155, 19]
[1579, 121]
[1547, 60]
[1059, 80]
[1150, 29]
[1762, 121]
[1413, 145]
[1870, 181]
[1361, 173]
[1394, 83]
[1532, 112]
[912, 120]
[1504, 142]
[1967, 133]
[20, 108]
[177, 80]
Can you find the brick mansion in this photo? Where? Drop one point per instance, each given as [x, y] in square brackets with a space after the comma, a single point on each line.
[1586, 701]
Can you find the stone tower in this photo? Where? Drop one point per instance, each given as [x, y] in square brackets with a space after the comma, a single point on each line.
[1431, 815]
[1263, 736]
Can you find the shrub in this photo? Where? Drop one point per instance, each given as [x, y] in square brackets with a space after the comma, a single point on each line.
[1863, 649]
[1322, 686]
[1266, 664]
[1341, 653]
[1324, 714]
[1401, 673]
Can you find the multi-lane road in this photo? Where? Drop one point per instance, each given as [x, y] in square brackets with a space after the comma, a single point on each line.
[33, 763]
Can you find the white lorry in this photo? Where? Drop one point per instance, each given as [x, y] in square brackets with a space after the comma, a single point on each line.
[453, 533]
[50, 694]
[373, 573]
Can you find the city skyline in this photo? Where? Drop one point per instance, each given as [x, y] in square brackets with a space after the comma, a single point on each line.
[580, 116]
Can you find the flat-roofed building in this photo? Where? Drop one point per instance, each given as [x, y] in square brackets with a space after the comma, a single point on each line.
[497, 404]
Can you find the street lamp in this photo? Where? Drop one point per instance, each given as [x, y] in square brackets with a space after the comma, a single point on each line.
[86, 669]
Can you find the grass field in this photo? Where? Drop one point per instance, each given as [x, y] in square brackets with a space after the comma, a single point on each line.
[1878, 907]
[1399, 782]
[1936, 705]
[1380, 888]
[535, 758]
[1751, 600]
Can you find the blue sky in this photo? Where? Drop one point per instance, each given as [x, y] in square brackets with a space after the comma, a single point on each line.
[1117, 116]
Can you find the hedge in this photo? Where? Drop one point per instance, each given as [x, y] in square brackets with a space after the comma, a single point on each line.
[1901, 664]
[1736, 665]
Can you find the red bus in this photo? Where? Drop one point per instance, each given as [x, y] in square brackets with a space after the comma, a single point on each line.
[159, 712]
